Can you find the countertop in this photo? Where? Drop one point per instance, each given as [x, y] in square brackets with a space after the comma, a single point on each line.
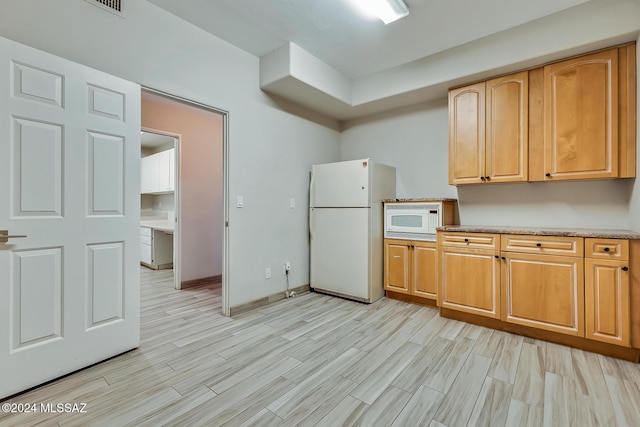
[418, 200]
[158, 224]
[541, 231]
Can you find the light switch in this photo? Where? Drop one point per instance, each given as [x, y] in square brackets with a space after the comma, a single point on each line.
[240, 202]
[292, 203]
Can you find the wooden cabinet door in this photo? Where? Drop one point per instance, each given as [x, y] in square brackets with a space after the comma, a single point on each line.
[424, 280]
[544, 292]
[397, 272]
[581, 117]
[467, 134]
[507, 128]
[607, 301]
[469, 280]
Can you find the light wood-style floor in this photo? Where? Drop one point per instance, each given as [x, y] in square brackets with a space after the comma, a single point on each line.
[319, 360]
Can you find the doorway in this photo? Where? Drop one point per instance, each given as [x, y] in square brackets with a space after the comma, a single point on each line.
[158, 200]
[200, 248]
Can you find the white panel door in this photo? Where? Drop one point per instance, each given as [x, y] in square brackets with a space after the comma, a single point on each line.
[341, 184]
[340, 251]
[69, 166]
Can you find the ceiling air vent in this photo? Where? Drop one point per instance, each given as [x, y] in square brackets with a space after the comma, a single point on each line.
[113, 6]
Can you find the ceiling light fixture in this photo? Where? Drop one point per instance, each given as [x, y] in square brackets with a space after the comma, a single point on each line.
[387, 10]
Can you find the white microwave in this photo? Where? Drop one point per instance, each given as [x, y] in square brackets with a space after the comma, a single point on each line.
[414, 221]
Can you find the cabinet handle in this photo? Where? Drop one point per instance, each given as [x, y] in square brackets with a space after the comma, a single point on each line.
[488, 178]
[497, 256]
[539, 245]
[625, 268]
[606, 249]
[503, 258]
[482, 178]
[466, 240]
[547, 174]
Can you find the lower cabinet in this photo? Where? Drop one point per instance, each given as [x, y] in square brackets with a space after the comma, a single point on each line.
[145, 245]
[470, 281]
[469, 273]
[544, 292]
[156, 248]
[542, 286]
[410, 268]
[607, 292]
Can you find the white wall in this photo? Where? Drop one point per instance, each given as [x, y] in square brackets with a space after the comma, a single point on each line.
[158, 202]
[200, 135]
[415, 141]
[271, 150]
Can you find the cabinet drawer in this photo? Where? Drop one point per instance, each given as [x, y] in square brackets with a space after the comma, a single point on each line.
[469, 240]
[145, 254]
[145, 231]
[551, 245]
[607, 248]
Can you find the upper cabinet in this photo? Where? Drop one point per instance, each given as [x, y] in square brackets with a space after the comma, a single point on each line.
[157, 173]
[467, 134]
[581, 117]
[488, 131]
[507, 132]
[569, 120]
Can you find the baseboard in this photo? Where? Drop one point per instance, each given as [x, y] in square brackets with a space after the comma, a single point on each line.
[211, 279]
[412, 299]
[627, 353]
[252, 305]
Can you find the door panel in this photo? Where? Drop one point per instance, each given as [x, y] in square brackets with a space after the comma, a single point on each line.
[105, 161]
[469, 281]
[507, 127]
[105, 287]
[545, 292]
[467, 134]
[607, 301]
[397, 264]
[106, 103]
[425, 283]
[340, 184]
[37, 164]
[581, 117]
[340, 251]
[37, 85]
[69, 168]
[37, 297]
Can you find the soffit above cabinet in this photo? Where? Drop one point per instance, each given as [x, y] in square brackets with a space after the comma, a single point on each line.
[348, 68]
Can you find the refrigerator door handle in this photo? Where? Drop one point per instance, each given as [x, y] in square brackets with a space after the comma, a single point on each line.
[311, 223]
[311, 187]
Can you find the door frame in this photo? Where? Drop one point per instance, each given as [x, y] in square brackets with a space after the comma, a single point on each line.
[225, 184]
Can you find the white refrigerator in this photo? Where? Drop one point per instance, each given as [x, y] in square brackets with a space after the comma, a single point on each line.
[346, 227]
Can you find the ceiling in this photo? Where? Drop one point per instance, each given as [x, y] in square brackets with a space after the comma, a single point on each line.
[325, 56]
[335, 32]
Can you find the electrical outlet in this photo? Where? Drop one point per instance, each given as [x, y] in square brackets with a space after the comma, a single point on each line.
[267, 273]
[292, 203]
[287, 267]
